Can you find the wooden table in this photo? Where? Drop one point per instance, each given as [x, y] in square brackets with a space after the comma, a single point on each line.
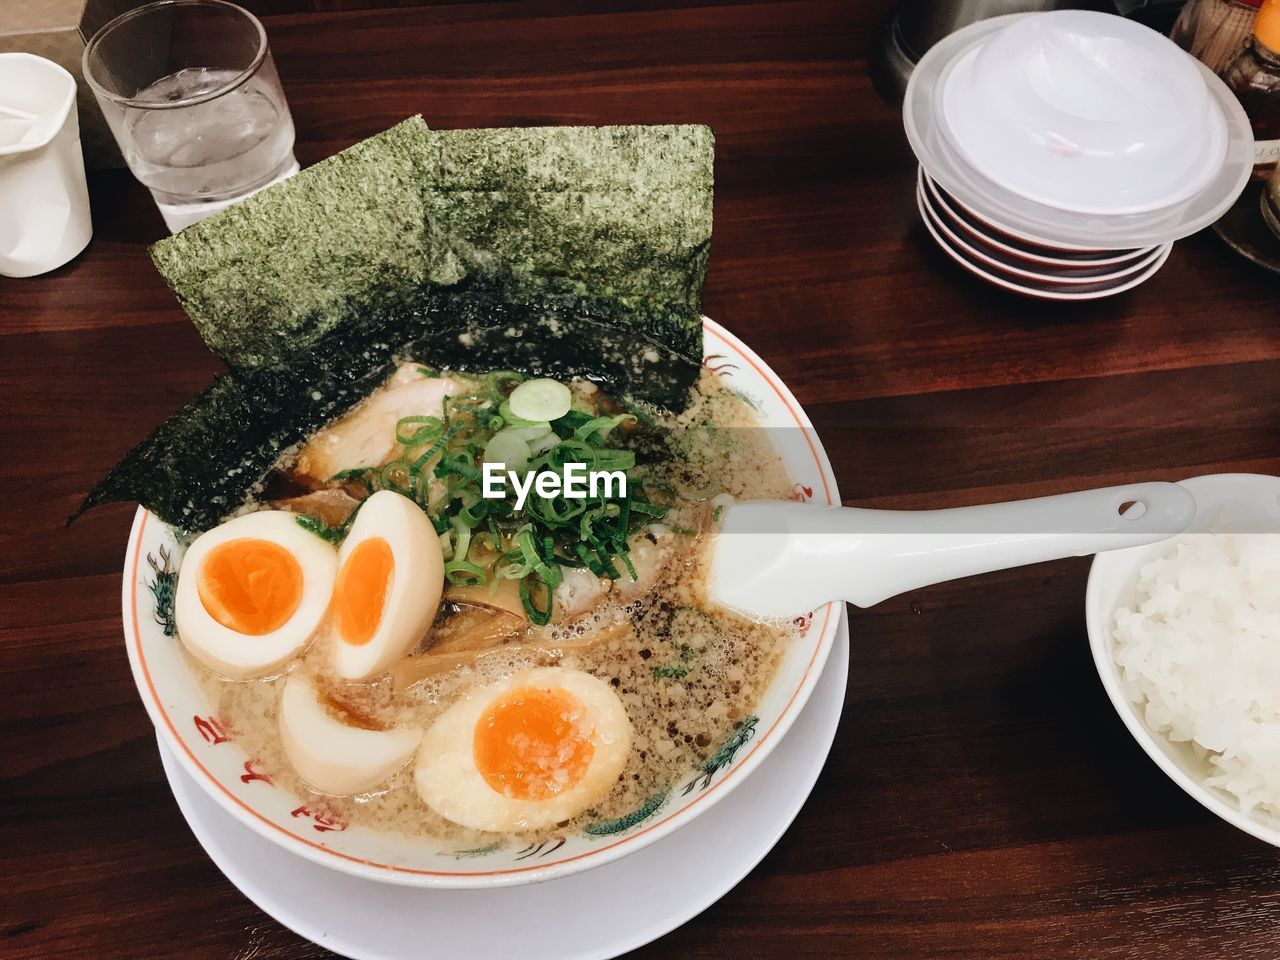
[983, 799]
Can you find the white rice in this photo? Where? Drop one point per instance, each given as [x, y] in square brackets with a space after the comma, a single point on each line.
[1200, 655]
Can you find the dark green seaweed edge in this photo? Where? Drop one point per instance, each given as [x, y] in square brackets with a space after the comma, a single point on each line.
[243, 423]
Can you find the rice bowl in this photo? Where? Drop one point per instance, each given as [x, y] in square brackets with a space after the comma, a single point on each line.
[1230, 504]
[1200, 655]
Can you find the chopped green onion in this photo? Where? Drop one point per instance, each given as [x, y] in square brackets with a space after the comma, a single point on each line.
[566, 452]
[600, 425]
[631, 567]
[538, 431]
[397, 476]
[463, 573]
[541, 399]
[541, 444]
[523, 425]
[540, 616]
[319, 528]
[462, 541]
[412, 431]
[473, 514]
[458, 467]
[435, 448]
[498, 382]
[508, 448]
[513, 420]
[670, 673]
[614, 460]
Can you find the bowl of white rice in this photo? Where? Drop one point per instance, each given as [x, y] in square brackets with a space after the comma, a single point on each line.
[1186, 638]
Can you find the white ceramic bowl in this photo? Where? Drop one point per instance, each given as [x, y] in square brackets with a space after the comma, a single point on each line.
[188, 724]
[1086, 112]
[1225, 502]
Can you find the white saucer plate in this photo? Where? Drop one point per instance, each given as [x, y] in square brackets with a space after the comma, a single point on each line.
[596, 915]
[1001, 244]
[1067, 276]
[1049, 290]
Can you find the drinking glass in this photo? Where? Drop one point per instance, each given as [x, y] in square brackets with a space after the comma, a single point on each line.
[194, 101]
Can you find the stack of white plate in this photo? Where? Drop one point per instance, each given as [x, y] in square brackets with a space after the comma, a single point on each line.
[1023, 266]
[1062, 153]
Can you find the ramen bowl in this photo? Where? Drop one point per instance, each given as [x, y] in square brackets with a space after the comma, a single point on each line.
[188, 721]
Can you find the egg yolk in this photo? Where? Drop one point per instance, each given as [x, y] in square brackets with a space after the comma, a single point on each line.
[250, 586]
[529, 744]
[361, 590]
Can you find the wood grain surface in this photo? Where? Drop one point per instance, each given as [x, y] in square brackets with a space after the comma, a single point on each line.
[982, 800]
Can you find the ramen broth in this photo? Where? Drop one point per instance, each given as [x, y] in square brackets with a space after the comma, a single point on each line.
[686, 675]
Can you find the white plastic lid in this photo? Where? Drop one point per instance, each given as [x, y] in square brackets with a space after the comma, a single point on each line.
[1051, 224]
[1084, 111]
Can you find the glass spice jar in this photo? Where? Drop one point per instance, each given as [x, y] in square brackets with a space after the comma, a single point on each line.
[1215, 31]
[1254, 77]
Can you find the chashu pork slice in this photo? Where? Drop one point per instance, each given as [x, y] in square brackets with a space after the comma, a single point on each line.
[580, 590]
[366, 437]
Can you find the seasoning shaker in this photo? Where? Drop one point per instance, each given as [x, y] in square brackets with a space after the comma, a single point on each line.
[1214, 31]
[1254, 77]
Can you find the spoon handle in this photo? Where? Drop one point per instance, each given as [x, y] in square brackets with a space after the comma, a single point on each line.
[909, 549]
[865, 556]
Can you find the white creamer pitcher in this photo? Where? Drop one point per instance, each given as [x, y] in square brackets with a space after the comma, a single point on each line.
[44, 204]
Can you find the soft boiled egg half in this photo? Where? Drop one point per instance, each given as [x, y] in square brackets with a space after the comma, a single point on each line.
[387, 592]
[252, 592]
[525, 753]
[334, 750]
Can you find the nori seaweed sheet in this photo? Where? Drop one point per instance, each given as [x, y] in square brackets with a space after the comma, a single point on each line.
[268, 277]
[200, 464]
[617, 216]
[494, 324]
[470, 250]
